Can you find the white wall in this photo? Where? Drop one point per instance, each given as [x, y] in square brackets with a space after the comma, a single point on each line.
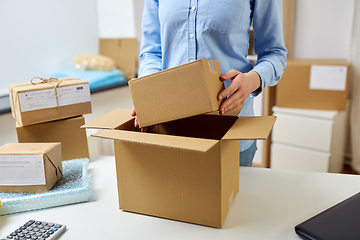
[116, 18]
[40, 37]
[323, 28]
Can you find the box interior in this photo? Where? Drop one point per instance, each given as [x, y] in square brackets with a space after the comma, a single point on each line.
[201, 126]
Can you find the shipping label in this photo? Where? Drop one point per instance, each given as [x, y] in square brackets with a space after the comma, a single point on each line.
[328, 77]
[42, 99]
[22, 170]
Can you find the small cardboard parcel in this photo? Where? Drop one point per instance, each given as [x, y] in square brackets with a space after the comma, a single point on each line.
[49, 99]
[183, 91]
[67, 131]
[188, 170]
[29, 167]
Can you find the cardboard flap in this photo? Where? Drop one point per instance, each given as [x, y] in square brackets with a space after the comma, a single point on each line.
[111, 120]
[246, 128]
[186, 143]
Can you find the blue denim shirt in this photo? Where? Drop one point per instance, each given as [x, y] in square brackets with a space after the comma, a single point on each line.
[177, 32]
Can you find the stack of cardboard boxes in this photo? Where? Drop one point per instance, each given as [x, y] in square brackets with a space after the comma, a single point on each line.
[188, 169]
[311, 106]
[47, 112]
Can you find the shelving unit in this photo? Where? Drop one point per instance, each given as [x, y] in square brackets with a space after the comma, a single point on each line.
[308, 140]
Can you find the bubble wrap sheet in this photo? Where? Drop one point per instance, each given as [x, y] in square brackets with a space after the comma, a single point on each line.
[75, 186]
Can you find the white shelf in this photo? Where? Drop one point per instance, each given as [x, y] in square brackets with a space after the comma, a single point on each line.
[308, 140]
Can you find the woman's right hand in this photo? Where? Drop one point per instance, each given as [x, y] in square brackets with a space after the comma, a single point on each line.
[136, 124]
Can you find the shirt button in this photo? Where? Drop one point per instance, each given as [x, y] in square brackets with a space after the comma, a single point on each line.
[193, 8]
[191, 35]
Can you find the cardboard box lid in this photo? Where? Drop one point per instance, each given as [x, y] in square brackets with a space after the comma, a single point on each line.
[246, 128]
[111, 120]
[193, 90]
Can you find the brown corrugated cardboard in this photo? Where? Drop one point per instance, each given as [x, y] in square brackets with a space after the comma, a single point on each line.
[187, 90]
[67, 131]
[48, 160]
[37, 102]
[188, 170]
[293, 90]
[124, 52]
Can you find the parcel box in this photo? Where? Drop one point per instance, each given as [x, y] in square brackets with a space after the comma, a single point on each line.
[188, 170]
[41, 101]
[67, 131]
[123, 51]
[184, 91]
[314, 84]
[29, 167]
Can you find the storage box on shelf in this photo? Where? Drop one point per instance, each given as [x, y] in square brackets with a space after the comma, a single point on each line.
[314, 84]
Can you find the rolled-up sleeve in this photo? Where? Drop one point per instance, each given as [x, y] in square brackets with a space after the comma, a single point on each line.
[269, 42]
[150, 51]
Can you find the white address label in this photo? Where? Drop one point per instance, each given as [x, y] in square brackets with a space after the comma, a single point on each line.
[22, 170]
[328, 77]
[42, 99]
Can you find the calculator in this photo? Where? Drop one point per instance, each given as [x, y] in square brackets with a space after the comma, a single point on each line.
[36, 230]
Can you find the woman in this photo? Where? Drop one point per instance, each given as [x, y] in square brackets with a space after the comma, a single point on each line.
[177, 32]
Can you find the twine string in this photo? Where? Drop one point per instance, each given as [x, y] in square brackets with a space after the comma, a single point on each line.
[55, 81]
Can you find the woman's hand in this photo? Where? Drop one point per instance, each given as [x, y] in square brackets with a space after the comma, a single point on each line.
[136, 124]
[242, 85]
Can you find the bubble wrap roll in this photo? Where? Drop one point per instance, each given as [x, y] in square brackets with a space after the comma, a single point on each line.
[75, 186]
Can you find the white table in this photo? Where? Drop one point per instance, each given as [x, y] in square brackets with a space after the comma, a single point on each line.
[268, 206]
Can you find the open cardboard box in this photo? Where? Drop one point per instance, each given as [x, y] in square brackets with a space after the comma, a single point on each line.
[188, 170]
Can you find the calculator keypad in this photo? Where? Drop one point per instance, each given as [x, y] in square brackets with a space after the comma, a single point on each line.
[36, 230]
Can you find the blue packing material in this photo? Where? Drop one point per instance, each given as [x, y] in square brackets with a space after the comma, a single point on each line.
[75, 186]
[96, 78]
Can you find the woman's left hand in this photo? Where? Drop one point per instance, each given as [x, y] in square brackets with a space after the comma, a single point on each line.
[242, 85]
